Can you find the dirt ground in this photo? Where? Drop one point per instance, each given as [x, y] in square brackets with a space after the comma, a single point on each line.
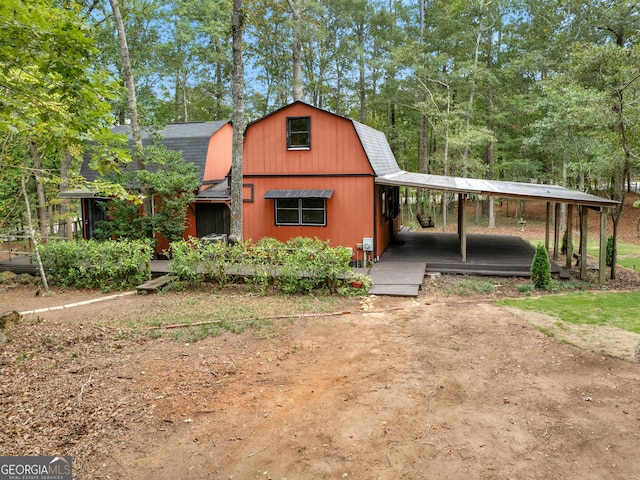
[443, 386]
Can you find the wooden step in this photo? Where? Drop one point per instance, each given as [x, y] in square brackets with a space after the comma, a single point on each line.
[155, 284]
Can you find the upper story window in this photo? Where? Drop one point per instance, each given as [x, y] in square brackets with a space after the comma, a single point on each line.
[298, 133]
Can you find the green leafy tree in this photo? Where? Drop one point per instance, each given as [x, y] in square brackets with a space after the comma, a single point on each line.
[172, 182]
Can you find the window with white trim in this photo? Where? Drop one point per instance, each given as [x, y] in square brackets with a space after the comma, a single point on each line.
[301, 211]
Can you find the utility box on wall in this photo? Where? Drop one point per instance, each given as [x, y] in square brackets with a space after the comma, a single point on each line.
[367, 244]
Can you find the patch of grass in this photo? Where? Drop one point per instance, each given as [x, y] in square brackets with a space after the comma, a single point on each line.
[631, 262]
[621, 310]
[472, 285]
[201, 314]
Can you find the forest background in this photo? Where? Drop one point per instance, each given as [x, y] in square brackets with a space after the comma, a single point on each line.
[544, 91]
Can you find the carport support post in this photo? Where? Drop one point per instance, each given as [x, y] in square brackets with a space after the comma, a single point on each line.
[546, 228]
[583, 242]
[462, 225]
[556, 231]
[569, 235]
[602, 264]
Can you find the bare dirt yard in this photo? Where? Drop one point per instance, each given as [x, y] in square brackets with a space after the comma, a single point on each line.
[443, 386]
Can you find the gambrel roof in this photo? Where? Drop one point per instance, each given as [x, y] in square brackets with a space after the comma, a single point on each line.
[374, 142]
[377, 149]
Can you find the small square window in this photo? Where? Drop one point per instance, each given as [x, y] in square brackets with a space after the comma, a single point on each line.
[299, 133]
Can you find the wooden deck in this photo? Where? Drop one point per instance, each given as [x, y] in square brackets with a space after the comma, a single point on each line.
[412, 255]
[402, 267]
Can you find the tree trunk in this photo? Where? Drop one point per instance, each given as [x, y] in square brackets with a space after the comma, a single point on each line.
[42, 201]
[465, 155]
[237, 91]
[296, 51]
[361, 74]
[32, 232]
[138, 154]
[65, 225]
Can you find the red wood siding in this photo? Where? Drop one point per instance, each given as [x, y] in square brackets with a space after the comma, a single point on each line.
[349, 210]
[336, 161]
[335, 146]
[218, 160]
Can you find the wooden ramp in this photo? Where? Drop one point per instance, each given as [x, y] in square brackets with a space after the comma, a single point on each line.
[156, 284]
[397, 278]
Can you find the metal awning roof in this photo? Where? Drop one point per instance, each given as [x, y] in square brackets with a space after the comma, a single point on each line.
[271, 194]
[496, 188]
[80, 193]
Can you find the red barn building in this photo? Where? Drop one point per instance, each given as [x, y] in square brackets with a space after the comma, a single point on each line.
[310, 173]
[306, 172]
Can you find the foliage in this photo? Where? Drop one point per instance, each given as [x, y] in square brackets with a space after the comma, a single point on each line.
[564, 246]
[172, 182]
[300, 265]
[125, 223]
[541, 268]
[609, 252]
[107, 265]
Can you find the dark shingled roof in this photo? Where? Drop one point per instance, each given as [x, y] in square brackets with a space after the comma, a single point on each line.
[219, 191]
[191, 138]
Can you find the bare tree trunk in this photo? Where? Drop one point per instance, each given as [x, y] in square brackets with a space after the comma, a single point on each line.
[296, 52]
[465, 155]
[65, 224]
[32, 232]
[138, 154]
[42, 201]
[361, 74]
[237, 91]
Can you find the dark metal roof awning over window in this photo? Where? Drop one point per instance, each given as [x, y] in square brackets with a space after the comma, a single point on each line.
[272, 194]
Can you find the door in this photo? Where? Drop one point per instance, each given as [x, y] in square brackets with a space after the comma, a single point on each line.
[212, 218]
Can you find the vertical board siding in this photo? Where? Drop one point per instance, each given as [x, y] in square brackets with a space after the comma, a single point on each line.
[349, 211]
[335, 146]
[336, 161]
[219, 154]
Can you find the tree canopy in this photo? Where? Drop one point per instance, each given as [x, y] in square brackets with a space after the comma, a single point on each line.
[536, 91]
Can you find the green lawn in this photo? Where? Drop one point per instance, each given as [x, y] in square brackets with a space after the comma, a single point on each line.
[620, 310]
[629, 250]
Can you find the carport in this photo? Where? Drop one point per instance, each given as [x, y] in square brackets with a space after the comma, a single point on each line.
[554, 196]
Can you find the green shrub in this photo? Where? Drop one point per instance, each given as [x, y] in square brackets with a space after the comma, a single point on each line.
[110, 265]
[541, 268]
[297, 266]
[609, 251]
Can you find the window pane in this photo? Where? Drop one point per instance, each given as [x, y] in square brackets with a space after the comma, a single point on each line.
[299, 125]
[289, 217]
[299, 139]
[313, 217]
[287, 203]
[313, 203]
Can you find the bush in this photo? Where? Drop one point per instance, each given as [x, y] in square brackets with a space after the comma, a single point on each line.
[297, 266]
[609, 251]
[109, 265]
[541, 268]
